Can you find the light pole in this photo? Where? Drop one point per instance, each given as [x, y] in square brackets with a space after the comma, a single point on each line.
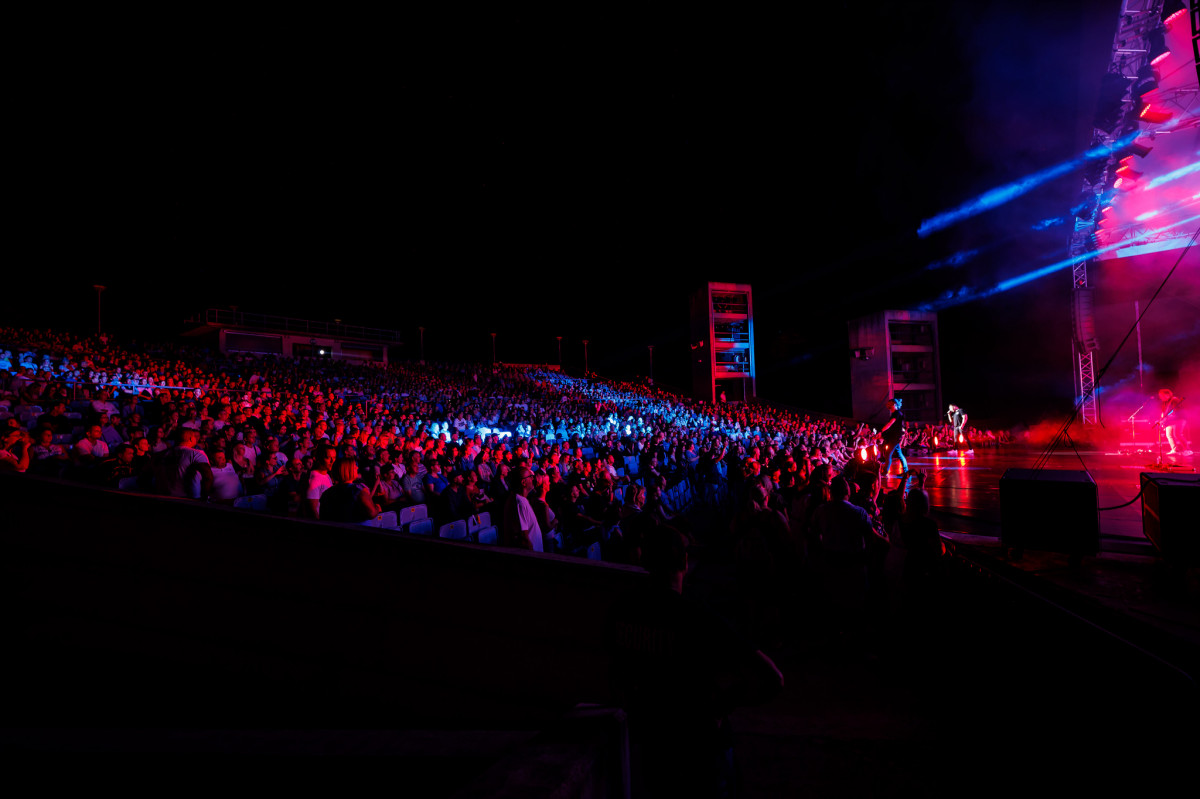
[493, 349]
[559, 351]
[585, 365]
[651, 348]
[99, 290]
[422, 332]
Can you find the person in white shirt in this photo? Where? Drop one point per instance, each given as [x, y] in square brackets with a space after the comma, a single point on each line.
[319, 480]
[227, 486]
[521, 528]
[91, 448]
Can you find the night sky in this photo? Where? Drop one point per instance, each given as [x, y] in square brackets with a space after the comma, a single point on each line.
[581, 185]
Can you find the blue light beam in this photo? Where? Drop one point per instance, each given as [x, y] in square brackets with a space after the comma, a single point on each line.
[1003, 194]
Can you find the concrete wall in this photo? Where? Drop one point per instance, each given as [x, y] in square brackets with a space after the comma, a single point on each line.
[127, 609]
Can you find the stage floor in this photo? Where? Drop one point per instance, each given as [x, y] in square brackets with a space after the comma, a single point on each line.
[965, 489]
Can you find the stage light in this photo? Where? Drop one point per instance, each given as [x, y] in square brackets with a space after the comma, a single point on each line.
[1173, 10]
[1154, 116]
[1145, 81]
[1158, 49]
[1141, 147]
[1003, 194]
[1128, 173]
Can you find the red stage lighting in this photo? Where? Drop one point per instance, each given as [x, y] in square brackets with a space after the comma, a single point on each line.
[1154, 116]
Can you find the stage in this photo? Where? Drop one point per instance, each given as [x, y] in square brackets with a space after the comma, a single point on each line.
[965, 489]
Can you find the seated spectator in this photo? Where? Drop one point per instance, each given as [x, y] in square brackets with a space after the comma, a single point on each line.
[227, 485]
[348, 499]
[46, 457]
[56, 418]
[319, 480]
[115, 468]
[91, 449]
[15, 446]
[390, 490]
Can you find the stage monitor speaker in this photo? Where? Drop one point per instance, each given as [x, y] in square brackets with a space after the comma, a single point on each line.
[1169, 503]
[1050, 510]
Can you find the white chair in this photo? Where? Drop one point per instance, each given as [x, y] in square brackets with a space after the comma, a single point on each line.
[487, 535]
[455, 531]
[478, 522]
[128, 484]
[593, 552]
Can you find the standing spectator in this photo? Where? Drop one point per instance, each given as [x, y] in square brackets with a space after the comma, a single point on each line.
[185, 471]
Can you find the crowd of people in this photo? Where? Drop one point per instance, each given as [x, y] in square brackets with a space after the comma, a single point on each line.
[555, 463]
[583, 461]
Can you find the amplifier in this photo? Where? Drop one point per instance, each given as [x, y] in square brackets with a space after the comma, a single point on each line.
[1050, 510]
[1168, 500]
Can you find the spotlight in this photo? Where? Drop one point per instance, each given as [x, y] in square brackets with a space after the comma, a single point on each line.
[1172, 11]
[1158, 49]
[1154, 116]
[1141, 147]
[1128, 173]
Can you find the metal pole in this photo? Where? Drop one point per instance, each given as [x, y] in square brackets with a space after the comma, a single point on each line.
[651, 348]
[493, 349]
[99, 290]
[1138, 318]
[559, 351]
[422, 330]
[585, 361]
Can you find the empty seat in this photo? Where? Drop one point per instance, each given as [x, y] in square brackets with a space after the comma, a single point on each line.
[479, 522]
[413, 513]
[455, 531]
[421, 527]
[385, 520]
[257, 502]
[487, 535]
[128, 484]
[593, 552]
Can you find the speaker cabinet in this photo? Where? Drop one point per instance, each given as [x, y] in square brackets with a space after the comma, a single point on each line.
[1050, 510]
[1169, 511]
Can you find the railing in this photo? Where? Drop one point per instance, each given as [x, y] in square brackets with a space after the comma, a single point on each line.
[305, 327]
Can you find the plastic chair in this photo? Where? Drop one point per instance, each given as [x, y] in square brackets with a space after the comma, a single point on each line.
[455, 531]
[128, 484]
[421, 527]
[413, 513]
[487, 535]
[256, 502]
[479, 522]
[593, 552]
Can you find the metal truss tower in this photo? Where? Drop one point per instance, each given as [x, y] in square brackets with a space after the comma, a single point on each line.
[1115, 127]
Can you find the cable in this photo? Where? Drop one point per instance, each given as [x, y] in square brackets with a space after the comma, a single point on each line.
[1044, 458]
[1125, 504]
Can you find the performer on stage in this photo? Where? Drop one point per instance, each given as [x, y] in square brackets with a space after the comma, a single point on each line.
[1173, 423]
[961, 441]
[893, 433]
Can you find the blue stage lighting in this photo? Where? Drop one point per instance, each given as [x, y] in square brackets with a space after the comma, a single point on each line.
[1003, 194]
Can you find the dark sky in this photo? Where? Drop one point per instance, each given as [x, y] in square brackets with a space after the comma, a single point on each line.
[581, 185]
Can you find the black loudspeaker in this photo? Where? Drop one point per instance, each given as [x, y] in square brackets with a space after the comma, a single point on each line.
[1169, 503]
[1049, 510]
